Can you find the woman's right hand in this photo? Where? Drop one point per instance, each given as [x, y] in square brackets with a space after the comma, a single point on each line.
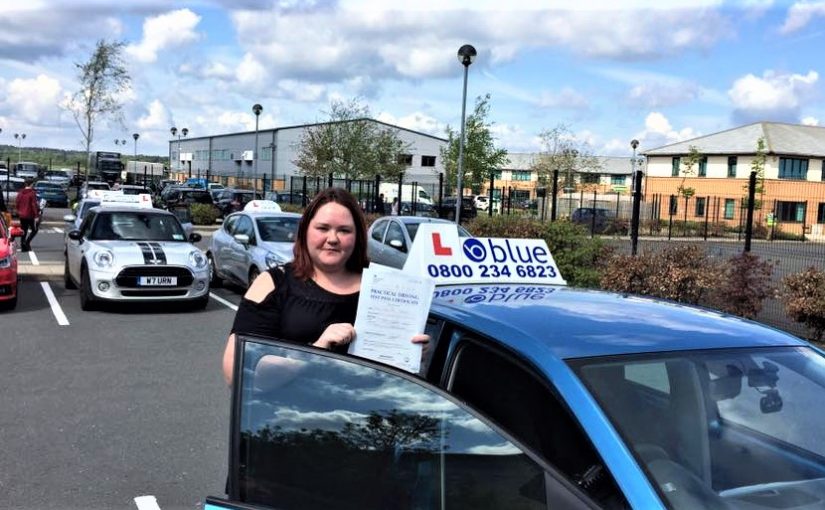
[340, 333]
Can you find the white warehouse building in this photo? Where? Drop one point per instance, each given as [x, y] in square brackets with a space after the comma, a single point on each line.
[232, 154]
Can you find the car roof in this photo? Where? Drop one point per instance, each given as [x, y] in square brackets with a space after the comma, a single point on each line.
[562, 322]
[415, 219]
[263, 214]
[127, 208]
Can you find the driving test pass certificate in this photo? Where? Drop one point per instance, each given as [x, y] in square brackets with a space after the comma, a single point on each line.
[392, 308]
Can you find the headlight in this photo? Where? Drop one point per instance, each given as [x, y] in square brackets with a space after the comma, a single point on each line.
[272, 260]
[5, 262]
[104, 258]
[197, 259]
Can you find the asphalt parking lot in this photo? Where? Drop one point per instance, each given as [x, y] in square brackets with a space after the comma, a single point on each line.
[102, 407]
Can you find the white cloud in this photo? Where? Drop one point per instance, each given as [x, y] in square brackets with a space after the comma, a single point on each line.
[800, 14]
[226, 121]
[810, 121]
[302, 91]
[416, 121]
[156, 118]
[772, 97]
[169, 30]
[565, 98]
[650, 95]
[658, 131]
[251, 73]
[34, 100]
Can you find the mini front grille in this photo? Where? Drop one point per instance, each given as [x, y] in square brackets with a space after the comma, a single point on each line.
[128, 277]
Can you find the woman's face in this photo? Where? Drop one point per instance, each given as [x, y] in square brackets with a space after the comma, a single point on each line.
[331, 237]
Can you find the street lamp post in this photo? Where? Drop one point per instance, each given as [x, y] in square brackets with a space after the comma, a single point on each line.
[466, 55]
[19, 137]
[637, 198]
[256, 109]
[272, 148]
[174, 132]
[135, 137]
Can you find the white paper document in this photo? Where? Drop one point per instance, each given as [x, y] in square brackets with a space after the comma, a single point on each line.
[392, 308]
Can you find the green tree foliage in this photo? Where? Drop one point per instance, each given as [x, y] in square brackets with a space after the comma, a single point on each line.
[350, 145]
[804, 298]
[758, 166]
[481, 157]
[103, 78]
[562, 151]
[688, 163]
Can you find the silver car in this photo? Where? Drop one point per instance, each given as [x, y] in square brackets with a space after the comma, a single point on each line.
[389, 238]
[249, 243]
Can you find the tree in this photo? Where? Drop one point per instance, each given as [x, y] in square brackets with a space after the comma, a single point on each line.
[350, 145]
[562, 151]
[688, 162]
[102, 79]
[481, 157]
[758, 166]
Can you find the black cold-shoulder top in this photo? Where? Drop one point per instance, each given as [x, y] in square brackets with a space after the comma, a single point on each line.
[297, 310]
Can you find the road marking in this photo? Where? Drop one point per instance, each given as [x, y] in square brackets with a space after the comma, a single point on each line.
[56, 310]
[223, 301]
[147, 503]
[33, 258]
[58, 230]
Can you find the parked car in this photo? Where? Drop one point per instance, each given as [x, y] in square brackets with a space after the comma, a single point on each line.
[233, 200]
[248, 243]
[605, 220]
[27, 170]
[54, 194]
[418, 209]
[389, 238]
[178, 195]
[295, 198]
[62, 177]
[90, 185]
[8, 264]
[447, 208]
[133, 189]
[10, 186]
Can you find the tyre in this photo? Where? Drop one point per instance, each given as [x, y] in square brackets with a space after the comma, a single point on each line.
[67, 278]
[253, 273]
[201, 302]
[215, 281]
[87, 300]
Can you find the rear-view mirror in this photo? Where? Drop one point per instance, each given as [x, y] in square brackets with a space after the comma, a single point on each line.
[194, 237]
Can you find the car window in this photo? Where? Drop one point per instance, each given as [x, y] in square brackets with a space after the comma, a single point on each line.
[512, 395]
[278, 229]
[395, 233]
[229, 224]
[87, 222]
[318, 430]
[379, 229]
[244, 226]
[137, 226]
[84, 208]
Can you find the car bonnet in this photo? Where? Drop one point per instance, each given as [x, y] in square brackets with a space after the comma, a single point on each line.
[130, 253]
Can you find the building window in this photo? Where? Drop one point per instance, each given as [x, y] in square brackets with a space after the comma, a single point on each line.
[427, 160]
[700, 206]
[521, 175]
[793, 212]
[823, 169]
[732, 166]
[617, 180]
[497, 175]
[793, 168]
[730, 208]
[820, 213]
[405, 159]
[674, 166]
[703, 166]
[590, 178]
[674, 204]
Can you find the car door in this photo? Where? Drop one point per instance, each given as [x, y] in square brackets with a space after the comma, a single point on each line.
[312, 429]
[375, 242]
[538, 417]
[75, 249]
[222, 243]
[396, 244]
[239, 254]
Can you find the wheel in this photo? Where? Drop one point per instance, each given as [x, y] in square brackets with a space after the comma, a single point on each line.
[201, 302]
[11, 304]
[215, 281]
[67, 278]
[253, 273]
[87, 300]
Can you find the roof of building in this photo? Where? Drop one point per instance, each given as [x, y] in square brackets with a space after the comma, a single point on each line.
[262, 132]
[780, 138]
[610, 165]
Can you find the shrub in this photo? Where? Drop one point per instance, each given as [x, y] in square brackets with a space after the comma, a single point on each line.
[293, 208]
[745, 283]
[804, 298]
[203, 214]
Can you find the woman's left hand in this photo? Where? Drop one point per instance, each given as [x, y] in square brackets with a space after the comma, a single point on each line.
[421, 339]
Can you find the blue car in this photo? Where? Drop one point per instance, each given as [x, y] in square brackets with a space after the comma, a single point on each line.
[53, 193]
[537, 396]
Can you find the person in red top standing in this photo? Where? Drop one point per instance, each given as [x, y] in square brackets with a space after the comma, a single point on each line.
[28, 209]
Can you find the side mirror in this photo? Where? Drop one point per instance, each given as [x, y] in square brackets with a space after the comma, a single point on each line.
[75, 235]
[242, 238]
[398, 245]
[69, 218]
[16, 232]
[194, 237]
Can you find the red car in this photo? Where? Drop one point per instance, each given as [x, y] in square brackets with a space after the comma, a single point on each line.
[8, 264]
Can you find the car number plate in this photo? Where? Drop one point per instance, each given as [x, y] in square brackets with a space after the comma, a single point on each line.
[158, 280]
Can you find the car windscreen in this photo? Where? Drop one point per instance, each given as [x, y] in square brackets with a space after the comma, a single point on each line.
[87, 204]
[200, 197]
[278, 229]
[97, 185]
[412, 229]
[731, 426]
[133, 191]
[137, 226]
[47, 185]
[11, 185]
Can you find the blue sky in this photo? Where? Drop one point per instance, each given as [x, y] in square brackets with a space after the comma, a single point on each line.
[657, 71]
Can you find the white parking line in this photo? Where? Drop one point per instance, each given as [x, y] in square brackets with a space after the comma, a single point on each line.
[33, 258]
[147, 503]
[223, 301]
[56, 310]
[58, 230]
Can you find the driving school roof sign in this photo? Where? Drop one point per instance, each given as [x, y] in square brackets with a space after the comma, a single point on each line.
[439, 253]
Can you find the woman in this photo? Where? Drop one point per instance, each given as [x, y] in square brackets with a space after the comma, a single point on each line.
[313, 299]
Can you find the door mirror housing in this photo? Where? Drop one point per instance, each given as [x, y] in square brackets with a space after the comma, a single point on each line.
[398, 245]
[75, 235]
[242, 238]
[194, 237]
[69, 218]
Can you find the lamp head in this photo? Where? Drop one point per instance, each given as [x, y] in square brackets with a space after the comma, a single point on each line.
[135, 136]
[257, 109]
[174, 131]
[184, 131]
[634, 143]
[466, 55]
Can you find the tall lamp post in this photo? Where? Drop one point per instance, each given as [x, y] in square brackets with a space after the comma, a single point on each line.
[272, 148]
[256, 109]
[637, 198]
[135, 137]
[174, 132]
[19, 137]
[466, 55]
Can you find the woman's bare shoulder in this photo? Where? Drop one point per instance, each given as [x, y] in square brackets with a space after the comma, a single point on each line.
[260, 288]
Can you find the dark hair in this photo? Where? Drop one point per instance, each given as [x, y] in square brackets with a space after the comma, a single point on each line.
[302, 265]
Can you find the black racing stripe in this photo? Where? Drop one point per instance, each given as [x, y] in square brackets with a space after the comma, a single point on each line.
[159, 254]
[147, 252]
